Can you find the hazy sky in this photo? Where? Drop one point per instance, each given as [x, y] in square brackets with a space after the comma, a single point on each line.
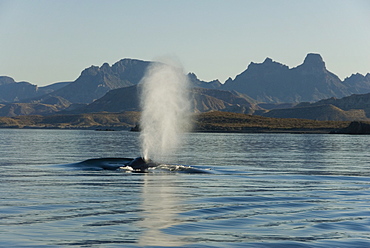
[47, 41]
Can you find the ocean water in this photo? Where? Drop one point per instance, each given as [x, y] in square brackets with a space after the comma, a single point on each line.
[256, 190]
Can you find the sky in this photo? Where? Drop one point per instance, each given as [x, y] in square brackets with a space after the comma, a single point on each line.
[48, 41]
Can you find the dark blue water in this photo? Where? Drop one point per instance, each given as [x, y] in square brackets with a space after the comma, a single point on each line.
[264, 190]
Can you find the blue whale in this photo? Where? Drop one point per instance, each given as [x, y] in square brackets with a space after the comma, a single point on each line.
[138, 164]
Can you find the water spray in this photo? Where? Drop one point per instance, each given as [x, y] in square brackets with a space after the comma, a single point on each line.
[166, 110]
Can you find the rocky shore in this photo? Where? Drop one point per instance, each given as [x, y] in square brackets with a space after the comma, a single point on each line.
[355, 127]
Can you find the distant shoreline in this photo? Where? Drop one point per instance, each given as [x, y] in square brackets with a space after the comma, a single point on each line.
[246, 130]
[252, 130]
[262, 130]
[209, 122]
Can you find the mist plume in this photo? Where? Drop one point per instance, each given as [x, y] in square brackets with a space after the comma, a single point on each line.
[166, 110]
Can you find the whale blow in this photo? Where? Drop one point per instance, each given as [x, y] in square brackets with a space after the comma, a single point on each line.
[166, 110]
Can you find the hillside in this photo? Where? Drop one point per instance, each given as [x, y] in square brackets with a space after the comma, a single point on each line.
[214, 121]
[203, 100]
[350, 108]
[11, 91]
[127, 99]
[356, 101]
[234, 122]
[82, 121]
[15, 109]
[318, 112]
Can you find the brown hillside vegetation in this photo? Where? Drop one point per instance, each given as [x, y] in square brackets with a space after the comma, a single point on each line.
[83, 121]
[234, 122]
[204, 122]
[319, 112]
[15, 109]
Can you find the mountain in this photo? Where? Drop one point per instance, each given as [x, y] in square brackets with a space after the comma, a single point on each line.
[16, 109]
[358, 83]
[54, 86]
[351, 108]
[94, 82]
[327, 112]
[11, 91]
[205, 100]
[195, 82]
[313, 82]
[103, 121]
[273, 82]
[4, 80]
[127, 99]
[262, 82]
[353, 102]
[118, 100]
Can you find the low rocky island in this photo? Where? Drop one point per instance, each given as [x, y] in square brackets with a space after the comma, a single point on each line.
[355, 127]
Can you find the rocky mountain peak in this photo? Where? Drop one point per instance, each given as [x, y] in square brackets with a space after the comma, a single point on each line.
[105, 67]
[268, 61]
[267, 64]
[192, 76]
[6, 80]
[229, 80]
[314, 60]
[196, 82]
[272, 81]
[355, 77]
[128, 61]
[91, 71]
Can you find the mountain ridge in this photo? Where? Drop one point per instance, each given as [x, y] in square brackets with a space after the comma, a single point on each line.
[202, 99]
[12, 91]
[273, 82]
[270, 83]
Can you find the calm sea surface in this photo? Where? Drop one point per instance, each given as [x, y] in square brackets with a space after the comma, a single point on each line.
[262, 190]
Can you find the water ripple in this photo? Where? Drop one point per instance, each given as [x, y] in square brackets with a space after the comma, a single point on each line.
[265, 190]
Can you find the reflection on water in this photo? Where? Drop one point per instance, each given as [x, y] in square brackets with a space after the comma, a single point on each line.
[160, 211]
